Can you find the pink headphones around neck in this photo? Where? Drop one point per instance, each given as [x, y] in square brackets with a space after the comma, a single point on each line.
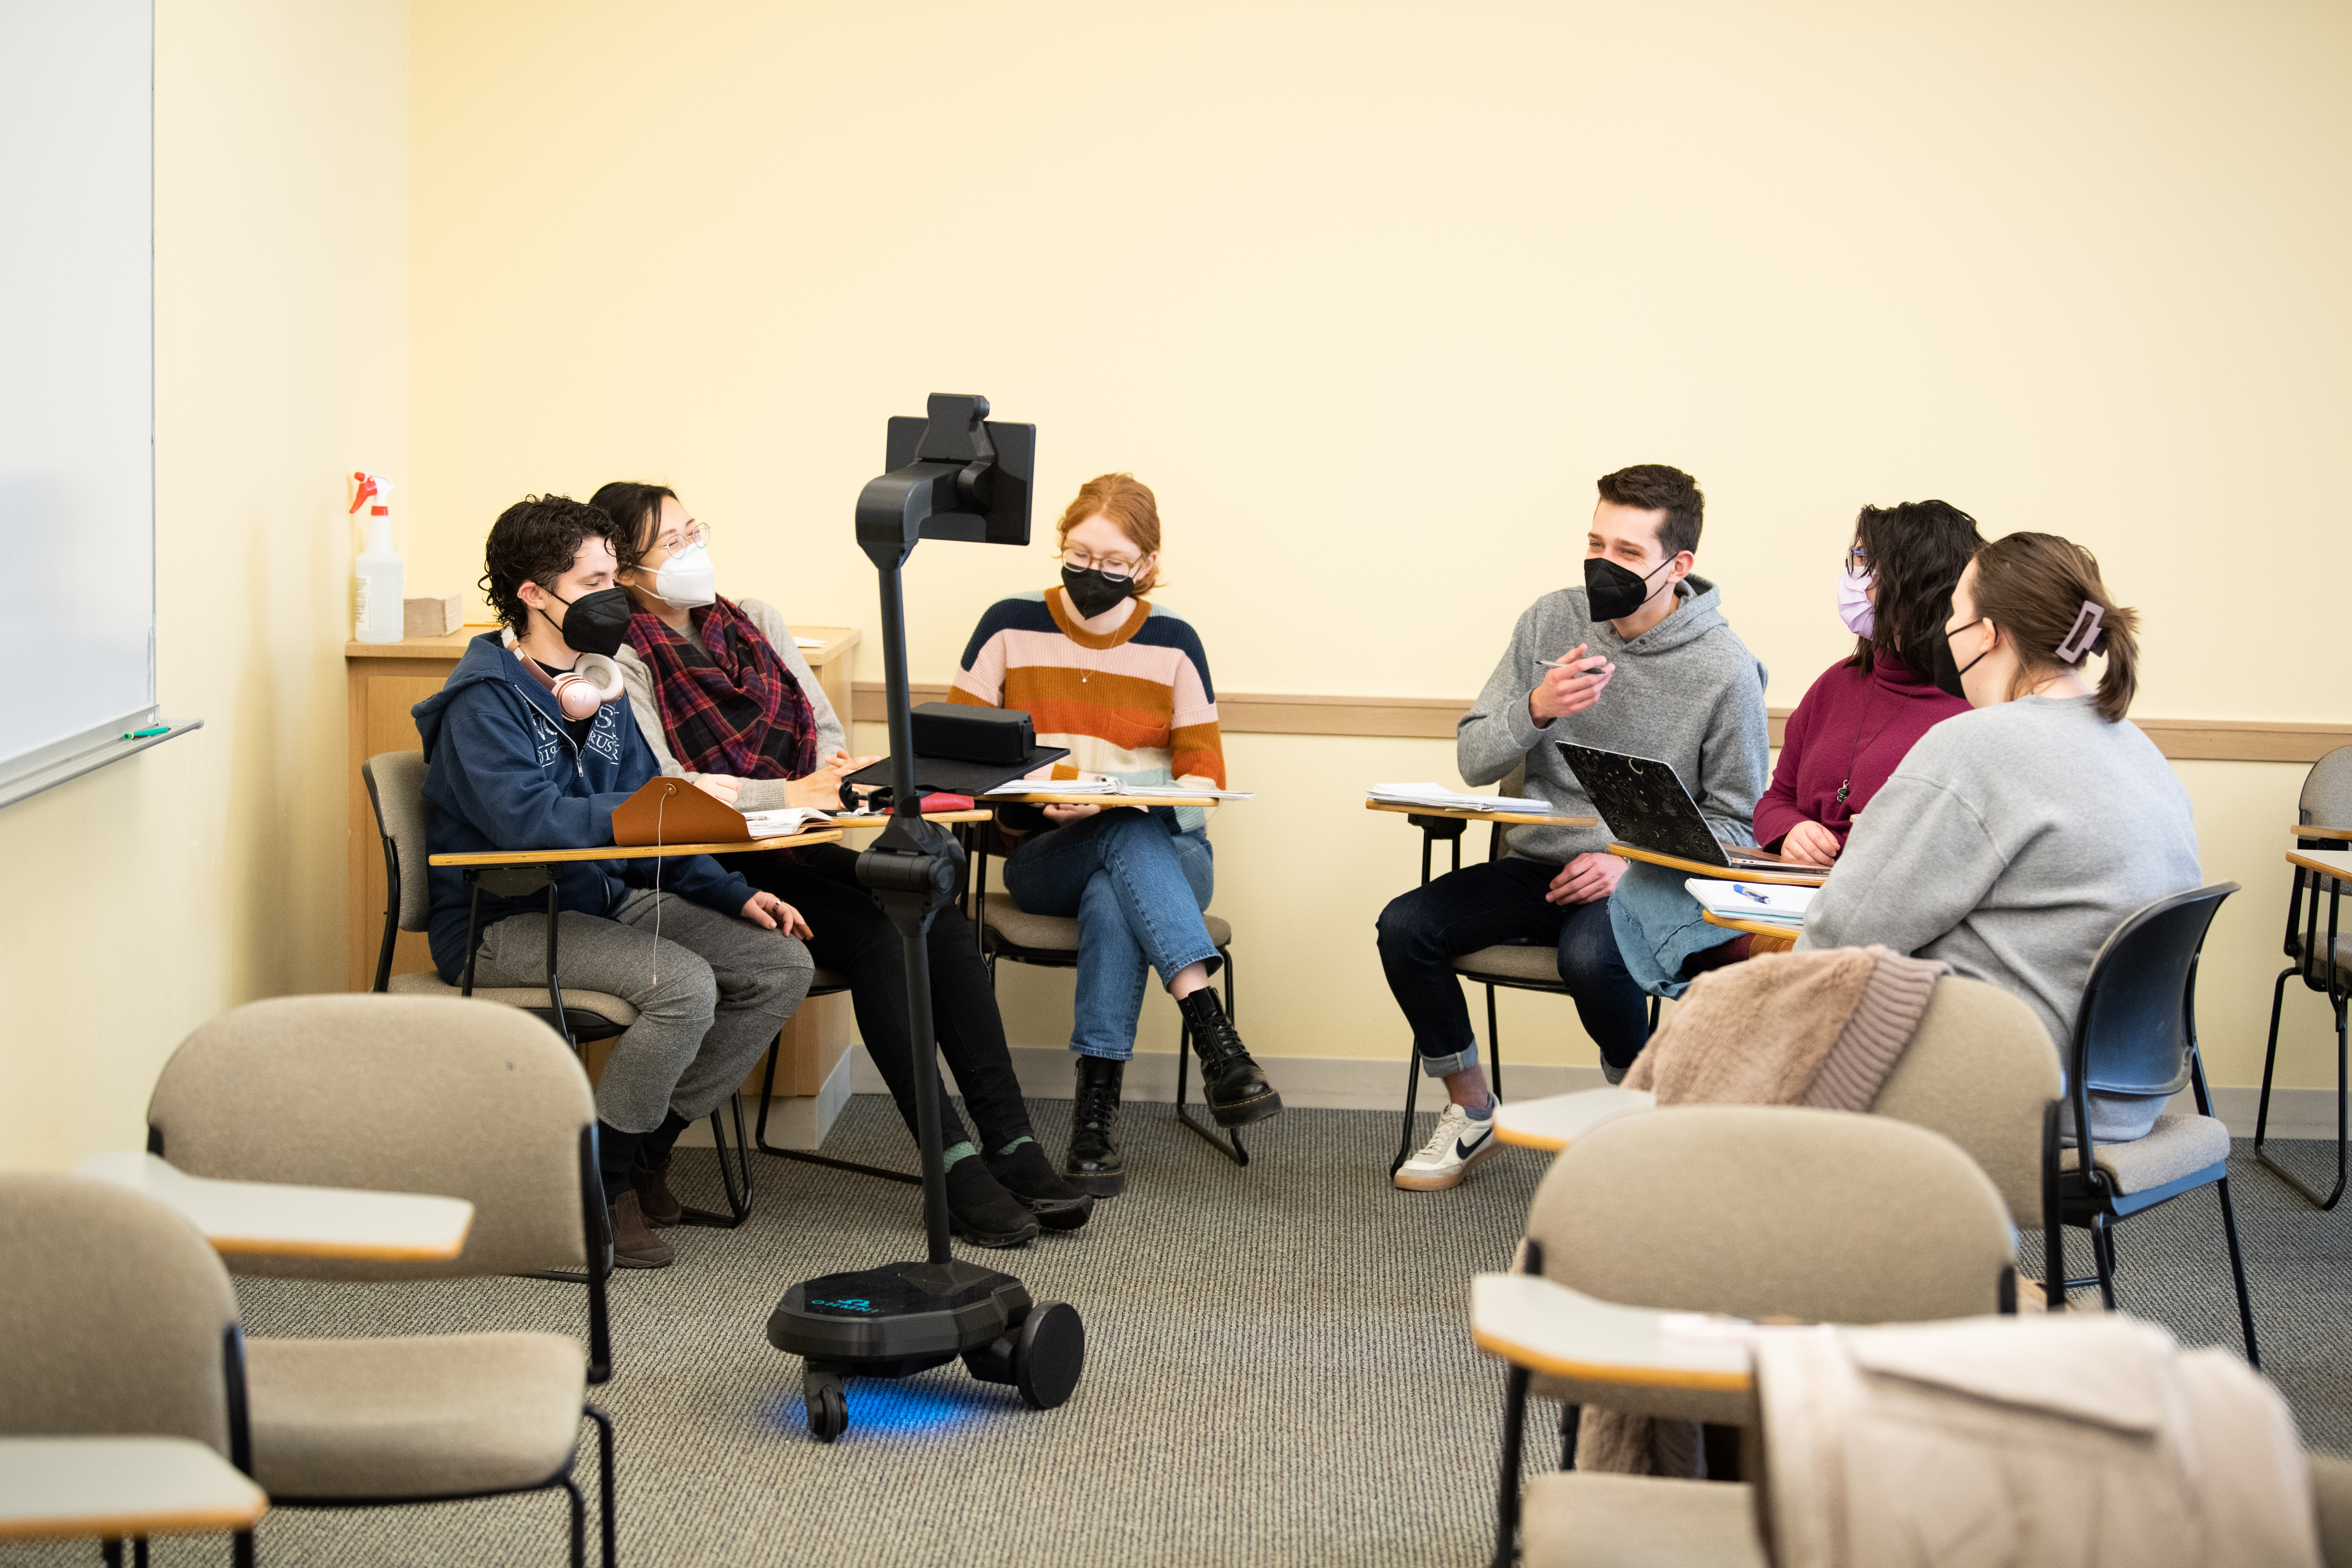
[581, 689]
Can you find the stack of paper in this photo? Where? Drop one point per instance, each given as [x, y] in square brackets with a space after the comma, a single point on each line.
[1454, 800]
[1768, 902]
[785, 821]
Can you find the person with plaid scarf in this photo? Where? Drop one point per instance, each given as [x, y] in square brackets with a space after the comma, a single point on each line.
[726, 702]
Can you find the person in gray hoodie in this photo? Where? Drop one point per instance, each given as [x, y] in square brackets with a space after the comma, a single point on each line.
[1639, 660]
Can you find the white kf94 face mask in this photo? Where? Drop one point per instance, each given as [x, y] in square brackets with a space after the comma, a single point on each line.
[687, 579]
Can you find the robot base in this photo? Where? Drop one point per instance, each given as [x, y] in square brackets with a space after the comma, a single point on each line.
[905, 1318]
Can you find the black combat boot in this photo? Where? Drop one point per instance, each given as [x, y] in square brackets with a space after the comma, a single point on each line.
[1236, 1090]
[1094, 1164]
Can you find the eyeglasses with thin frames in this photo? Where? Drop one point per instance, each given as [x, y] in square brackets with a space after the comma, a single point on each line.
[1115, 569]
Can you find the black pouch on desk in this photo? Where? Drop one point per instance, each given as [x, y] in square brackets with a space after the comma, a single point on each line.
[961, 732]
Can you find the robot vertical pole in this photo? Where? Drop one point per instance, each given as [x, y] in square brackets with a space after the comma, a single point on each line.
[913, 919]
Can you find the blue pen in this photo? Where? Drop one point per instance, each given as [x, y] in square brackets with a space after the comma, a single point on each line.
[1749, 892]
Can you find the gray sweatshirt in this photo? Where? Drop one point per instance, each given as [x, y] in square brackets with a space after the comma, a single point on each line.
[759, 794]
[2010, 843]
[1687, 692]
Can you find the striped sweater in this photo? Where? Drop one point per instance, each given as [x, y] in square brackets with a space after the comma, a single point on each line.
[1136, 704]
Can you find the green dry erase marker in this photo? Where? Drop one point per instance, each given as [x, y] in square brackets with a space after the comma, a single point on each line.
[150, 729]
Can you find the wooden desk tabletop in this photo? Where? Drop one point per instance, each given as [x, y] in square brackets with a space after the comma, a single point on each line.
[852, 822]
[633, 851]
[296, 1222]
[1770, 936]
[833, 642]
[1555, 1120]
[2334, 863]
[117, 1488]
[1508, 817]
[1531, 1322]
[2300, 831]
[1720, 873]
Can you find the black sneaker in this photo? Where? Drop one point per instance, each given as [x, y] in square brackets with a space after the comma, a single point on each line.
[980, 1209]
[1093, 1164]
[1236, 1090]
[1029, 1176]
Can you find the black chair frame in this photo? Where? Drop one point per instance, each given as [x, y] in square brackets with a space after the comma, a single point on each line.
[2314, 963]
[2085, 1197]
[994, 946]
[1450, 830]
[578, 1029]
[808, 1157]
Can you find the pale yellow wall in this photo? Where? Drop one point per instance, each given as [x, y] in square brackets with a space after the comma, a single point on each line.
[154, 893]
[1370, 293]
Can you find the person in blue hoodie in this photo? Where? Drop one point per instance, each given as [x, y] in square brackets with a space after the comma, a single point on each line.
[713, 965]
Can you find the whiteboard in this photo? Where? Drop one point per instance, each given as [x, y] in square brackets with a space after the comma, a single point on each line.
[76, 384]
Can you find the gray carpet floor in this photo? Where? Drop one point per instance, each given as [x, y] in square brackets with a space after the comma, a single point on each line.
[1278, 1368]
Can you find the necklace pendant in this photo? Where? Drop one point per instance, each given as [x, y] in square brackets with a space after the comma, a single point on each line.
[1844, 789]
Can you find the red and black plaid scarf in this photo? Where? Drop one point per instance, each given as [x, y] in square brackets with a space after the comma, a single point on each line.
[735, 709]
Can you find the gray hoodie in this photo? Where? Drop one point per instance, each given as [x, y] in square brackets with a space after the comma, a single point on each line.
[1687, 692]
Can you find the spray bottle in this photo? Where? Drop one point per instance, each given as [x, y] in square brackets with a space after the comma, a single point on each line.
[382, 615]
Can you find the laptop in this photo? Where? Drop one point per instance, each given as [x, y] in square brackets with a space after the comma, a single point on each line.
[1644, 803]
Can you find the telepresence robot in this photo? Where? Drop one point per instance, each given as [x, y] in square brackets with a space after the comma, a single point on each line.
[952, 475]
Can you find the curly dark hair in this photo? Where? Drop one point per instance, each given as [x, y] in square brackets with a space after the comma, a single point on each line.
[536, 540]
[634, 508]
[1653, 487]
[1915, 551]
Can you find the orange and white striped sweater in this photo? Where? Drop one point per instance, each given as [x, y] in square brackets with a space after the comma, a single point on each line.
[1135, 704]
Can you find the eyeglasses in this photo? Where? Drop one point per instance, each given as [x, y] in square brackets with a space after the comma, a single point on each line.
[696, 533]
[1117, 569]
[1855, 562]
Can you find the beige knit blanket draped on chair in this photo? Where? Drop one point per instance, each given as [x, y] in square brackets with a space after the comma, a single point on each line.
[1822, 1029]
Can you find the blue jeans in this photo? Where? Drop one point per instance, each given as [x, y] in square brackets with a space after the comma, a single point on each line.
[1138, 887]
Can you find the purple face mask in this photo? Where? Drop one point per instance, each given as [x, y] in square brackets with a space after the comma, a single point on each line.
[1855, 607]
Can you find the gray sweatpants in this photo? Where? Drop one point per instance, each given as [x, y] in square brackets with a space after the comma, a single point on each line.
[725, 987]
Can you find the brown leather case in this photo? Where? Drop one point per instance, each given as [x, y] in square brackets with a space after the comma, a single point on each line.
[672, 811]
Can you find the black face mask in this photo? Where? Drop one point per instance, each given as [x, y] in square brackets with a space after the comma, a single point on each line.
[1612, 592]
[593, 623]
[1091, 594]
[1948, 670]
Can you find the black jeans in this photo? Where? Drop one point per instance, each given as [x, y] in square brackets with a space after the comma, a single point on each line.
[1482, 906]
[858, 941]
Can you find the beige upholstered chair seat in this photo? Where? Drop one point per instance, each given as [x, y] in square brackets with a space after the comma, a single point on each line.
[1576, 1521]
[424, 983]
[2343, 949]
[2178, 1146]
[1539, 964]
[414, 1416]
[1056, 933]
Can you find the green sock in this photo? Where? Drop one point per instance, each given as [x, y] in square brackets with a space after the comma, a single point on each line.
[957, 1151]
[1008, 1149]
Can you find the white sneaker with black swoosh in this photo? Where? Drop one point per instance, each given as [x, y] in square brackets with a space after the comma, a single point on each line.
[1459, 1142]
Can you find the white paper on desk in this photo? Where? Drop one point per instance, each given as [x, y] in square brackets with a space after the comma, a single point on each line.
[785, 821]
[1455, 800]
[1764, 901]
[809, 642]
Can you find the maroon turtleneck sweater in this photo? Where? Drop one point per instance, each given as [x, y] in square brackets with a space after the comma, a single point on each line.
[1850, 730]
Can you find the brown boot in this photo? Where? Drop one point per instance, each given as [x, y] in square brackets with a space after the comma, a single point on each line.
[635, 1245]
[652, 1186]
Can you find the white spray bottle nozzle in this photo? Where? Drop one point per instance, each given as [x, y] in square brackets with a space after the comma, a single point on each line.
[366, 488]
